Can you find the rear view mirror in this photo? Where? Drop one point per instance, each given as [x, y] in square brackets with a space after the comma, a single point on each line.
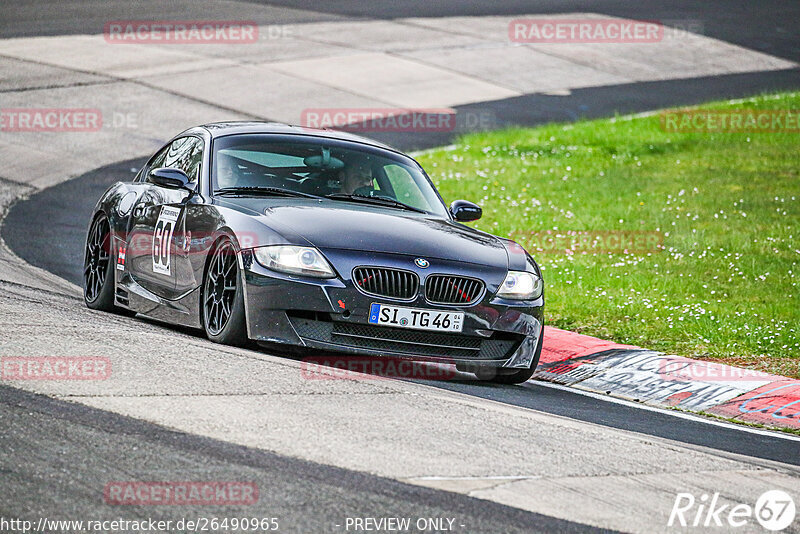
[323, 161]
[464, 210]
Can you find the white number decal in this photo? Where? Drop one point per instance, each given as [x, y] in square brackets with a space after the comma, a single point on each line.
[162, 239]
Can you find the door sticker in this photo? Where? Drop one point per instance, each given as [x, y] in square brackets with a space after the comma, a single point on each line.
[121, 257]
[162, 237]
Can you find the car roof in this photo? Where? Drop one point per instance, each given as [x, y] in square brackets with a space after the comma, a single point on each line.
[220, 129]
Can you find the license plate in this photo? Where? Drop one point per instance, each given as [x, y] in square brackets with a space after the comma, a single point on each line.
[442, 321]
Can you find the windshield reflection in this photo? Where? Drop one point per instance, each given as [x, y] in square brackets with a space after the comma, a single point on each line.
[321, 167]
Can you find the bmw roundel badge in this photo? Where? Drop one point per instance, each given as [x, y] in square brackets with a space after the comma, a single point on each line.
[422, 263]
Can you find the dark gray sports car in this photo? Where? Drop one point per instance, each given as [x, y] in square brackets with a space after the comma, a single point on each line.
[288, 236]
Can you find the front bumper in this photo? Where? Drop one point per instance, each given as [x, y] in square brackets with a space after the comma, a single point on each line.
[332, 315]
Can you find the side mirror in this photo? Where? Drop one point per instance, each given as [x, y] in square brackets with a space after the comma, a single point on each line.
[464, 210]
[170, 177]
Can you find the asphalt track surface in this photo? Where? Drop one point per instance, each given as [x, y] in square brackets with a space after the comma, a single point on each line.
[52, 451]
[74, 445]
[68, 206]
[767, 26]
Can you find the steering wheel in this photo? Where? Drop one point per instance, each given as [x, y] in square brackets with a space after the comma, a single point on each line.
[366, 191]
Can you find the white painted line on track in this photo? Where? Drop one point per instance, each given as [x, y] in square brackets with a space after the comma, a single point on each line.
[673, 413]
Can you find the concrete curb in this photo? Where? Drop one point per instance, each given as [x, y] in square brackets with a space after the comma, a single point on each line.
[659, 379]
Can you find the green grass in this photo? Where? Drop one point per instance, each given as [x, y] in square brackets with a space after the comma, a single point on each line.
[724, 285]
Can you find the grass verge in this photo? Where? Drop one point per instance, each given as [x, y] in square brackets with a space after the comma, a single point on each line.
[720, 282]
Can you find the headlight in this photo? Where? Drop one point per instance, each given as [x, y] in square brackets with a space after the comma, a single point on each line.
[520, 285]
[305, 261]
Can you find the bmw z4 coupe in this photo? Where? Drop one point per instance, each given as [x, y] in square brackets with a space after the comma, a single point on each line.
[287, 236]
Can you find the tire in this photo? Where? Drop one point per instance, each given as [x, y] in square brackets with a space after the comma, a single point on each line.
[98, 276]
[517, 377]
[222, 300]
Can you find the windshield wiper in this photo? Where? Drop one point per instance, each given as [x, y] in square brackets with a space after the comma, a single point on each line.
[256, 190]
[380, 201]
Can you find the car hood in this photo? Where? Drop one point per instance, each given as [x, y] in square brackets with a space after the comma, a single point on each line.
[350, 226]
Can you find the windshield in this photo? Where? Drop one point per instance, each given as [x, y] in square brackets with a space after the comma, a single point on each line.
[321, 167]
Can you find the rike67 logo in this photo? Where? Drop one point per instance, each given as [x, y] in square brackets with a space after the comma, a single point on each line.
[774, 510]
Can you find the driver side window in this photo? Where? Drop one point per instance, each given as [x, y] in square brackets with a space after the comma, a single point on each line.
[154, 163]
[185, 154]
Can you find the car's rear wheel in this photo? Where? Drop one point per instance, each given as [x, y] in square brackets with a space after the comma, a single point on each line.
[98, 282]
[223, 297]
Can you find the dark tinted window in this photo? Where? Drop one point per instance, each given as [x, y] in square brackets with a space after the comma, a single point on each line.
[185, 153]
[321, 167]
[154, 163]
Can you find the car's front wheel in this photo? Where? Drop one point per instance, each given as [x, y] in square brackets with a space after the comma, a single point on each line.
[223, 297]
[98, 282]
[502, 376]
